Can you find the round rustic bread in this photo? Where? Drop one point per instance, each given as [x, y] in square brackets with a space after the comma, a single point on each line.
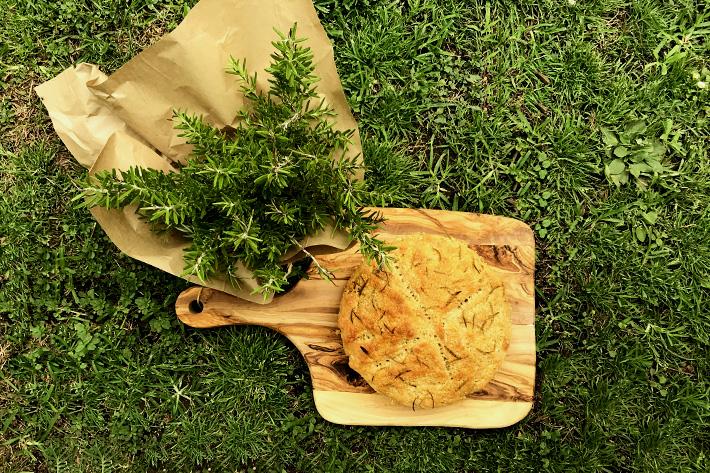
[431, 327]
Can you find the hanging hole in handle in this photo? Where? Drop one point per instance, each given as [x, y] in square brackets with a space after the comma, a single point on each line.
[195, 306]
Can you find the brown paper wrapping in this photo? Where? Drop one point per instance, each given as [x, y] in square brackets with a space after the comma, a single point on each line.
[125, 119]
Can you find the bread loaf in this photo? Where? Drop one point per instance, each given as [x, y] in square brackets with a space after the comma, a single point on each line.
[431, 327]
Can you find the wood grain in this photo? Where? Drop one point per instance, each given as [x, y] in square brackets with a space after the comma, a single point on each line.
[307, 315]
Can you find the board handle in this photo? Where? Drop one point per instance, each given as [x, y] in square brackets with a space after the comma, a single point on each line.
[309, 301]
[202, 307]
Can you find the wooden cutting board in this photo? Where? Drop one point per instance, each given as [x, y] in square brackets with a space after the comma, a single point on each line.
[307, 315]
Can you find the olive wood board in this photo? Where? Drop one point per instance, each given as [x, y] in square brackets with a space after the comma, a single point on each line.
[307, 316]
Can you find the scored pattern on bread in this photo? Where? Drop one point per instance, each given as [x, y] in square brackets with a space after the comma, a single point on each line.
[431, 327]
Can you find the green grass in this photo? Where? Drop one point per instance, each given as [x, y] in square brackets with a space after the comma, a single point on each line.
[484, 107]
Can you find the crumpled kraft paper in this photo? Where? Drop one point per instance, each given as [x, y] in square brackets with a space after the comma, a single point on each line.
[125, 119]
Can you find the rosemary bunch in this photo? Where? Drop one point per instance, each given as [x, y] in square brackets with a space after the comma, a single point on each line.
[249, 194]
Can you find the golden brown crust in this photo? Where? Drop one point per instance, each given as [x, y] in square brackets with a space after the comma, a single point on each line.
[431, 328]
